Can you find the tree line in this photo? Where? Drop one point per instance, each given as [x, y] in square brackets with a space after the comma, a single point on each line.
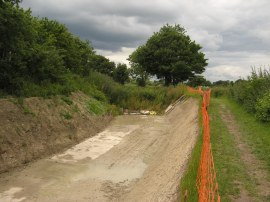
[44, 51]
[41, 51]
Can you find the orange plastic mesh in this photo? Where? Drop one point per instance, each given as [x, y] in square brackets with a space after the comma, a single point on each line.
[206, 181]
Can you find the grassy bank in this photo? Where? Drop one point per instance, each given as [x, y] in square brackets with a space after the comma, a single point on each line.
[105, 90]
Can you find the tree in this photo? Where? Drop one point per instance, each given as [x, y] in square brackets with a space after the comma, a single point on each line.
[76, 53]
[121, 73]
[103, 65]
[170, 54]
[198, 81]
[16, 41]
[222, 83]
[12, 2]
[136, 71]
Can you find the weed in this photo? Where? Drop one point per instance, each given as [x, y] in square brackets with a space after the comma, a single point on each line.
[67, 100]
[66, 115]
[26, 110]
[49, 105]
[75, 108]
[96, 107]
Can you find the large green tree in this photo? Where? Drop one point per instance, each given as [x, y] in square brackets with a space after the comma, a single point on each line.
[170, 54]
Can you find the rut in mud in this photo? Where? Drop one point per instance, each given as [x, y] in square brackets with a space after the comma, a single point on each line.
[137, 158]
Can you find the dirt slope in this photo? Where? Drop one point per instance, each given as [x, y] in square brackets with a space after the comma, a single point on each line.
[39, 127]
[137, 158]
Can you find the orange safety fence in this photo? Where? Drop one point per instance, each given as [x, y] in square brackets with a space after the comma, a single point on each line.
[206, 181]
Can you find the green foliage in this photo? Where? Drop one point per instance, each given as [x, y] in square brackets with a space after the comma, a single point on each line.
[170, 54]
[67, 100]
[222, 83]
[96, 107]
[40, 57]
[66, 115]
[252, 93]
[256, 132]
[219, 91]
[263, 107]
[137, 72]
[102, 65]
[133, 97]
[121, 73]
[12, 2]
[227, 159]
[198, 81]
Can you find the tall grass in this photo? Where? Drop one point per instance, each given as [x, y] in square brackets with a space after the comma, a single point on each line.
[104, 89]
[135, 97]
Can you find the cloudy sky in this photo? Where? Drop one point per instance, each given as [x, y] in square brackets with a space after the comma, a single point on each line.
[235, 34]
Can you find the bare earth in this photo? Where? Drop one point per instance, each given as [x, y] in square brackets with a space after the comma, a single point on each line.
[137, 158]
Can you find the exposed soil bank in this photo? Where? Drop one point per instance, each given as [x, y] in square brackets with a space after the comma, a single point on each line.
[137, 158]
[40, 127]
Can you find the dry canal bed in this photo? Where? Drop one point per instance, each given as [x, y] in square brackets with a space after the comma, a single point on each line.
[137, 158]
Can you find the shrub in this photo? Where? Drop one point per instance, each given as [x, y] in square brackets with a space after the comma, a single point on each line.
[248, 92]
[96, 107]
[263, 107]
[66, 115]
[219, 91]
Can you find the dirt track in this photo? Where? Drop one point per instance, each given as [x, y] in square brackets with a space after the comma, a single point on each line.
[137, 158]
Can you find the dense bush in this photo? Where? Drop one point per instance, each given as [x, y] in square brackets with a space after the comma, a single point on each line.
[263, 107]
[253, 93]
[219, 91]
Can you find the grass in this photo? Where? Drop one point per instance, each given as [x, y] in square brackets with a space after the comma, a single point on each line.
[67, 100]
[19, 101]
[188, 181]
[66, 115]
[96, 107]
[104, 89]
[229, 168]
[257, 133]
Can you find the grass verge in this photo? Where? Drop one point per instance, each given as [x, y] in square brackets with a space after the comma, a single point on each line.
[229, 168]
[257, 133]
[188, 181]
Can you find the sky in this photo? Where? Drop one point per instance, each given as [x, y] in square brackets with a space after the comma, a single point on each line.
[234, 34]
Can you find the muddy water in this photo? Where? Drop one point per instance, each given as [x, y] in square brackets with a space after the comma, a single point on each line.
[137, 158]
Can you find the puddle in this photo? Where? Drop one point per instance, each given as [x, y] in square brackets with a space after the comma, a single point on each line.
[93, 147]
[8, 196]
[115, 173]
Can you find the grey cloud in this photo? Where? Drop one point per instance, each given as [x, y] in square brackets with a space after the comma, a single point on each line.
[234, 34]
